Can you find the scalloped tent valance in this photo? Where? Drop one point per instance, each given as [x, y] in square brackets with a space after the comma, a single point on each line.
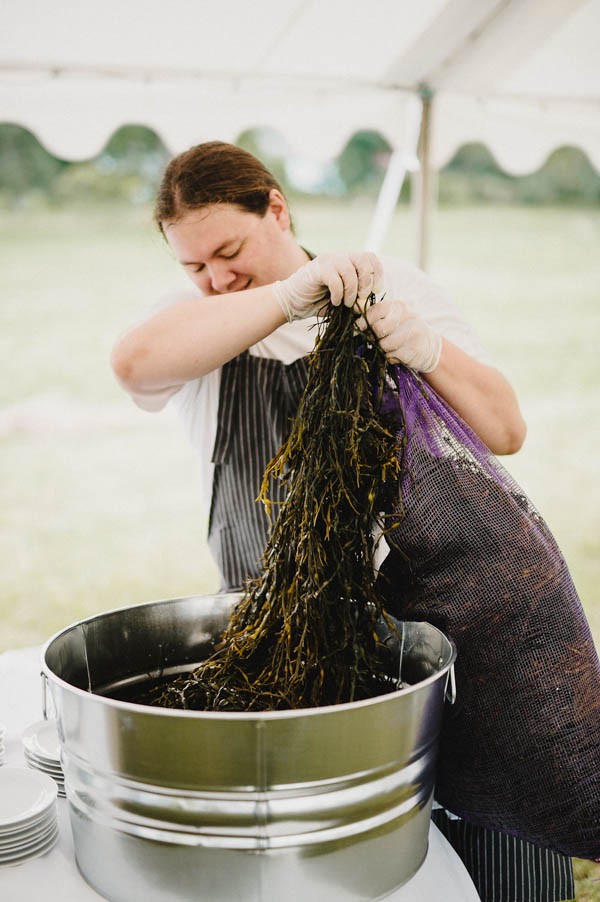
[521, 76]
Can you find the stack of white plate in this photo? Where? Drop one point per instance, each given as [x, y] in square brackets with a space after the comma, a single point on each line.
[28, 825]
[2, 746]
[42, 751]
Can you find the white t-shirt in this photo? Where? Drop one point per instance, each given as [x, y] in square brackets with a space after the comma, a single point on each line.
[197, 401]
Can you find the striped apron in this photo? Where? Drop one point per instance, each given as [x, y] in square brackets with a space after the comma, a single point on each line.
[506, 869]
[258, 399]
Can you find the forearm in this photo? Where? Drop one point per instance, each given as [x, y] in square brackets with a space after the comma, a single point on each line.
[481, 396]
[194, 337]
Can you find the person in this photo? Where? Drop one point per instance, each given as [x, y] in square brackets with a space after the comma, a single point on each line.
[231, 355]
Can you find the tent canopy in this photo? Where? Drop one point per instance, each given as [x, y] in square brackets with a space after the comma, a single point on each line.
[521, 76]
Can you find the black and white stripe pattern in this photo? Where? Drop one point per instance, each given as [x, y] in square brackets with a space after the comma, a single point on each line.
[258, 399]
[505, 868]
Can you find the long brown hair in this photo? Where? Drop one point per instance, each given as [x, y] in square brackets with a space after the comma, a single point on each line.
[213, 173]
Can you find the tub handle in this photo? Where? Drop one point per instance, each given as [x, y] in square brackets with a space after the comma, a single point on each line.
[451, 686]
[46, 699]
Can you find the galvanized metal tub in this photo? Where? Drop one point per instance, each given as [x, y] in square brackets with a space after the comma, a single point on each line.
[326, 804]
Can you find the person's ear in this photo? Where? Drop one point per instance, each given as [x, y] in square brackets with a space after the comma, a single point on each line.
[279, 208]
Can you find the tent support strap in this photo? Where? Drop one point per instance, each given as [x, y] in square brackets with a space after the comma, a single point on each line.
[413, 156]
[403, 160]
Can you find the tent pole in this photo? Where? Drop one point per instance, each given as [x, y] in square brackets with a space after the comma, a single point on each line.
[425, 178]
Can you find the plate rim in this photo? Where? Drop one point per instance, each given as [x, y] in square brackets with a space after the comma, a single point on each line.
[47, 797]
[34, 840]
[33, 853]
[30, 734]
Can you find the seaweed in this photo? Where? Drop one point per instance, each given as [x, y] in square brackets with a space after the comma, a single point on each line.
[308, 632]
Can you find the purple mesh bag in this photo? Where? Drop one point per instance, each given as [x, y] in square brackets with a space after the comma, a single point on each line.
[520, 749]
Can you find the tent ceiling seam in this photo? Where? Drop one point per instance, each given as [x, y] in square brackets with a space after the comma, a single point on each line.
[470, 40]
[154, 76]
[148, 77]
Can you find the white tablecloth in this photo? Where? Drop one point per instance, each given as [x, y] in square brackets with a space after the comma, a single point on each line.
[54, 877]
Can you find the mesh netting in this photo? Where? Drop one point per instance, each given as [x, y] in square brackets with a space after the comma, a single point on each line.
[520, 749]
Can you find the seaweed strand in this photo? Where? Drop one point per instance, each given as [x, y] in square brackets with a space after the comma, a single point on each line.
[304, 633]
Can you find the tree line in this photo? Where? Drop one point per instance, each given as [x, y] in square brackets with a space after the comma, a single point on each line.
[130, 165]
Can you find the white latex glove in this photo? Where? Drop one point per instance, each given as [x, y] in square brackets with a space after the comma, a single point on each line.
[404, 336]
[347, 278]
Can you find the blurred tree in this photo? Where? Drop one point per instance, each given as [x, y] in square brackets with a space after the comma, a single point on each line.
[130, 165]
[363, 161]
[473, 158]
[128, 169]
[25, 166]
[133, 144]
[567, 177]
[271, 149]
[473, 176]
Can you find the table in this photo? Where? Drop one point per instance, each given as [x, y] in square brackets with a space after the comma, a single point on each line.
[54, 877]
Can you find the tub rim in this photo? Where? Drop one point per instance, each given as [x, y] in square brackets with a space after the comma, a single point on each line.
[49, 676]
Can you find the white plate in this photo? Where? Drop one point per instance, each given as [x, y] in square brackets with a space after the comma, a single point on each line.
[22, 833]
[43, 847]
[53, 769]
[27, 824]
[45, 762]
[51, 772]
[58, 776]
[28, 842]
[41, 739]
[61, 788]
[25, 794]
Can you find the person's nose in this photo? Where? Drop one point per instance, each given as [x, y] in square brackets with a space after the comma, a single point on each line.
[221, 277]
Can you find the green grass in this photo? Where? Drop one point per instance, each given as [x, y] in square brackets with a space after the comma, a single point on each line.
[98, 500]
[587, 881]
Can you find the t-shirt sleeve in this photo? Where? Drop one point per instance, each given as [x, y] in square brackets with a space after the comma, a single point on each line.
[405, 282]
[154, 401]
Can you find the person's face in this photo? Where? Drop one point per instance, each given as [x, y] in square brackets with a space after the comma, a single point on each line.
[224, 248]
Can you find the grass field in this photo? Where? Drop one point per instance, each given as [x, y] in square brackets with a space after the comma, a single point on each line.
[100, 502]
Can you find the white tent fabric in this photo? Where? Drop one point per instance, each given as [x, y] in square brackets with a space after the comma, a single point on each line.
[522, 76]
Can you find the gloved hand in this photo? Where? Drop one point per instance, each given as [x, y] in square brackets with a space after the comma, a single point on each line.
[347, 278]
[404, 336]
